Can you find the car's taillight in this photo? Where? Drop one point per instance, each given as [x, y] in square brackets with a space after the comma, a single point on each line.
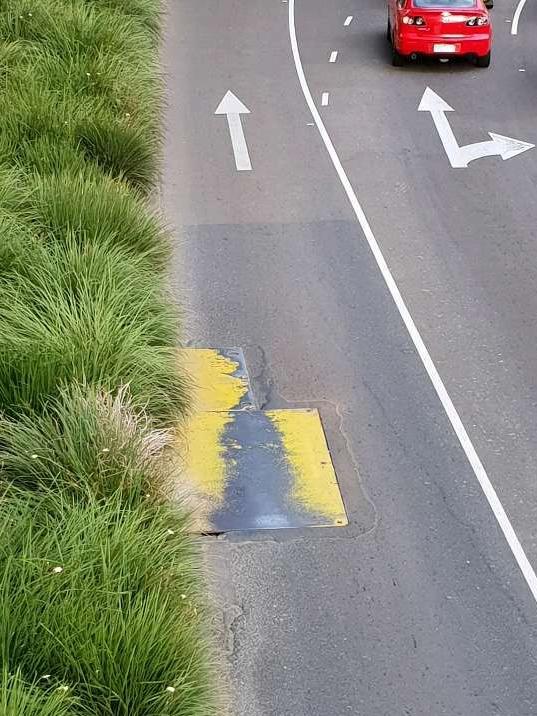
[418, 20]
[478, 21]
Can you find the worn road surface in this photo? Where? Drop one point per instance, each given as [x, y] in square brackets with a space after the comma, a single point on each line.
[419, 607]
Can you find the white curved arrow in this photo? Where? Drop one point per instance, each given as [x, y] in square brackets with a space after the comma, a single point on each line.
[232, 107]
[459, 157]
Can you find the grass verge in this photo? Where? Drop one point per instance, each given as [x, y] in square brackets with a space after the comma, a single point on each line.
[72, 313]
[100, 590]
[101, 602]
[88, 443]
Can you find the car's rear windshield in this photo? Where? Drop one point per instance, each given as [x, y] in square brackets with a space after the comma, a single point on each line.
[444, 4]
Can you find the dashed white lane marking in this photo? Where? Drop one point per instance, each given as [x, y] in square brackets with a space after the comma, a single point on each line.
[516, 17]
[348, 21]
[434, 376]
[324, 99]
[333, 56]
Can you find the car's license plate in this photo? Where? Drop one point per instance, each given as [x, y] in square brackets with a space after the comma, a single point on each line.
[444, 48]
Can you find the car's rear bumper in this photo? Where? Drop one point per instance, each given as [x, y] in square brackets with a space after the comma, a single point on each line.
[478, 44]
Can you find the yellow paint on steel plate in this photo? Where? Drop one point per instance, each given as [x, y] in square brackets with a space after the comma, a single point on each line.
[250, 469]
[304, 445]
[205, 464]
[220, 379]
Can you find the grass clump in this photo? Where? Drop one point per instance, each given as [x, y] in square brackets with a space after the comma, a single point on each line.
[103, 208]
[88, 442]
[81, 78]
[104, 601]
[85, 205]
[86, 314]
[48, 131]
[19, 698]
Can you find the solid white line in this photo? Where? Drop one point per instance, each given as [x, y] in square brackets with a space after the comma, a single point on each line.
[454, 418]
[333, 56]
[516, 17]
[348, 21]
[324, 99]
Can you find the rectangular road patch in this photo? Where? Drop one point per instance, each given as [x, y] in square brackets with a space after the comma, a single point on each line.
[252, 470]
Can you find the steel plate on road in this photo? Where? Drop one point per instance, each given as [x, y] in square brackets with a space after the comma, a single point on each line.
[254, 470]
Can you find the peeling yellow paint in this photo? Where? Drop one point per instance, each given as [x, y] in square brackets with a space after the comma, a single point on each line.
[205, 460]
[282, 468]
[216, 387]
[305, 448]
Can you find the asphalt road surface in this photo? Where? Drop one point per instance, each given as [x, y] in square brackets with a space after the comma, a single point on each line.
[419, 607]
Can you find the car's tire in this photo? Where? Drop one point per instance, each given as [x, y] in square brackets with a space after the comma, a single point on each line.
[397, 58]
[389, 32]
[489, 4]
[483, 61]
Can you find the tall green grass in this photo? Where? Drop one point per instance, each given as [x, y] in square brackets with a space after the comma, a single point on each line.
[87, 443]
[86, 314]
[103, 601]
[20, 698]
[101, 607]
[104, 209]
[85, 205]
[82, 78]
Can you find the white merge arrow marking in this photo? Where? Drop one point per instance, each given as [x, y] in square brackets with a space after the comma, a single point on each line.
[498, 145]
[232, 107]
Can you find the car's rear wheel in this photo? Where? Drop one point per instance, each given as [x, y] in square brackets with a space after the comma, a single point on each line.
[489, 4]
[483, 61]
[397, 58]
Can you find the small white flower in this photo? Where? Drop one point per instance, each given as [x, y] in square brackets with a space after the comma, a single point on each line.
[30, 14]
[170, 689]
[88, 74]
[34, 456]
[183, 596]
[170, 532]
[63, 688]
[57, 570]
[45, 677]
[106, 449]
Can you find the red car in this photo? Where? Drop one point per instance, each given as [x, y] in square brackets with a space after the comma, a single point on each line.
[439, 28]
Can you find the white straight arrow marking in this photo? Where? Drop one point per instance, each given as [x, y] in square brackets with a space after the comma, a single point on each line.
[232, 107]
[460, 157]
